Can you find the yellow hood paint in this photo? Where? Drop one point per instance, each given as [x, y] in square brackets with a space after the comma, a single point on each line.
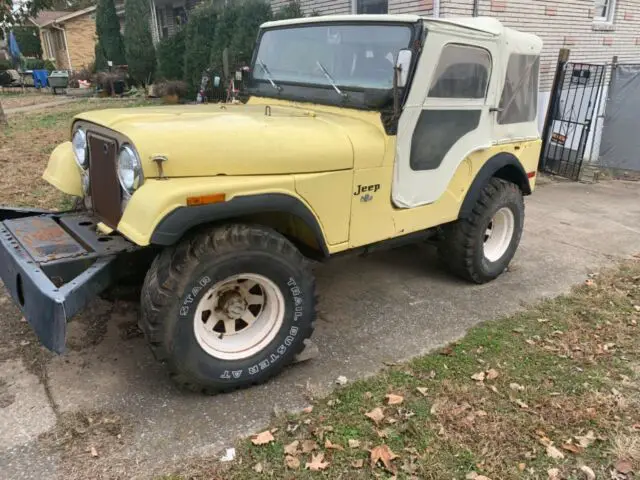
[254, 139]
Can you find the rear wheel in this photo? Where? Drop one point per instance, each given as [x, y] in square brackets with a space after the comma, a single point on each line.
[228, 308]
[479, 248]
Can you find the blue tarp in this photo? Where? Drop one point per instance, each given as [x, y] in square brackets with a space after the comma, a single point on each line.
[40, 78]
[14, 49]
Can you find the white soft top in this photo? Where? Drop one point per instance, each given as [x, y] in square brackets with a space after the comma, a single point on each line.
[519, 41]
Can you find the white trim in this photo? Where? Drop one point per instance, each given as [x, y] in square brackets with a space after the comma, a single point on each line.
[435, 9]
[607, 19]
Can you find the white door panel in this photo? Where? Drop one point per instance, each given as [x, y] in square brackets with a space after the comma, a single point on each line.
[435, 134]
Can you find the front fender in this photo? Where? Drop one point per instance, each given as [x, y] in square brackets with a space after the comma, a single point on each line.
[63, 172]
[158, 213]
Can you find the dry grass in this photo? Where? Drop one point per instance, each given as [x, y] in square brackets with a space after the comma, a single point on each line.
[16, 99]
[24, 151]
[564, 372]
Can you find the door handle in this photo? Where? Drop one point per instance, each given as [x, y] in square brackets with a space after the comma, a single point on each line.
[496, 109]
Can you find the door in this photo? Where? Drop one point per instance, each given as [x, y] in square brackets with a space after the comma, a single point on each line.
[447, 116]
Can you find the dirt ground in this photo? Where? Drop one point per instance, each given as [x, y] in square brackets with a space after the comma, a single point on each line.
[16, 99]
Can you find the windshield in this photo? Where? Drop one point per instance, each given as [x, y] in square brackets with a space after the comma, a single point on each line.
[337, 55]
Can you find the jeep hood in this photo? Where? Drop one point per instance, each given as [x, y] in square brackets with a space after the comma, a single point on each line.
[207, 140]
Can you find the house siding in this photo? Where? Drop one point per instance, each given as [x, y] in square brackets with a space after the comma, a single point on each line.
[81, 40]
[319, 7]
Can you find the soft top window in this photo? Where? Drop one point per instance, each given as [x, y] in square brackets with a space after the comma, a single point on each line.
[519, 100]
[462, 72]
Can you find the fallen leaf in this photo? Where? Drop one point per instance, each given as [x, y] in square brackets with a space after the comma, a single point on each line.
[308, 409]
[554, 474]
[478, 377]
[292, 462]
[257, 468]
[623, 466]
[368, 395]
[393, 399]
[553, 452]
[588, 473]
[422, 390]
[585, 440]
[516, 386]
[570, 447]
[317, 462]
[492, 374]
[475, 476]
[292, 448]
[543, 320]
[94, 452]
[357, 463]
[481, 413]
[309, 446]
[353, 443]
[637, 308]
[333, 446]
[382, 433]
[447, 351]
[493, 389]
[383, 454]
[262, 438]
[521, 404]
[341, 380]
[377, 415]
[522, 466]
[589, 283]
[432, 374]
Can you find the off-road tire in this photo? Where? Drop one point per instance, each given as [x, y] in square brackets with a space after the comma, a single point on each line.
[461, 247]
[173, 287]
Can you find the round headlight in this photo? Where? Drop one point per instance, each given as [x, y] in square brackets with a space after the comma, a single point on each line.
[79, 142]
[129, 169]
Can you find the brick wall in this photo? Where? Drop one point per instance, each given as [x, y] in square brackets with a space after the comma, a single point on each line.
[322, 7]
[81, 32]
[564, 23]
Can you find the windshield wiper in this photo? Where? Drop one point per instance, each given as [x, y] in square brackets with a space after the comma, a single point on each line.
[268, 74]
[331, 80]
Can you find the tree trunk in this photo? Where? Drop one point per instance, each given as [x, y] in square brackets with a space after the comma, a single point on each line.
[3, 117]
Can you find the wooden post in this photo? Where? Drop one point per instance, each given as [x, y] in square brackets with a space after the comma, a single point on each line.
[563, 58]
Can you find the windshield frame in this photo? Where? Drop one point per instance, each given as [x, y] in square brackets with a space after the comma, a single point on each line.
[323, 92]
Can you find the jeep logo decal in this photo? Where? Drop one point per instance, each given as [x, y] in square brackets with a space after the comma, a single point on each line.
[367, 188]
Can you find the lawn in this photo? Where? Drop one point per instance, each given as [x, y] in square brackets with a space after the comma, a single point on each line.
[550, 393]
[25, 147]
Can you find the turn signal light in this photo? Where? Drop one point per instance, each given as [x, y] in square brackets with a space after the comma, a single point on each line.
[205, 199]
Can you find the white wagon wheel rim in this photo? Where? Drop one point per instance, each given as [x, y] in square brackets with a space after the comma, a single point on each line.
[498, 234]
[239, 316]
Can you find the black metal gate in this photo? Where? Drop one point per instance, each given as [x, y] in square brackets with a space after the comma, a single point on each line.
[571, 111]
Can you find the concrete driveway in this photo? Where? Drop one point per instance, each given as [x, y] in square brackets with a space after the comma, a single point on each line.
[383, 308]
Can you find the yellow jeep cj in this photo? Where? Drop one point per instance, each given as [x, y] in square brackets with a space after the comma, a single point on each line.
[361, 132]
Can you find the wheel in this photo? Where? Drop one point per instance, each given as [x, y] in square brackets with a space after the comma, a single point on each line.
[480, 247]
[228, 308]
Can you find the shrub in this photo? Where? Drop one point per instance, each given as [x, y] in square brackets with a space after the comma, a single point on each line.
[49, 66]
[108, 30]
[5, 65]
[170, 52]
[252, 14]
[29, 41]
[33, 64]
[100, 63]
[172, 87]
[222, 38]
[290, 10]
[199, 34]
[108, 81]
[140, 53]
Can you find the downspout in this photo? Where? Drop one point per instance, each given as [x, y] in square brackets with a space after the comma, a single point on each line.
[66, 44]
[475, 7]
[436, 9]
[154, 20]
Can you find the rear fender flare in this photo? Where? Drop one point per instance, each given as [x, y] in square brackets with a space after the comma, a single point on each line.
[182, 219]
[503, 165]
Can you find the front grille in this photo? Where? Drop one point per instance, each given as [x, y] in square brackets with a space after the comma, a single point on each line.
[105, 187]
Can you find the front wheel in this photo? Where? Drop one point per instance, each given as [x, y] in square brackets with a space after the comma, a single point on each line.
[228, 308]
[479, 248]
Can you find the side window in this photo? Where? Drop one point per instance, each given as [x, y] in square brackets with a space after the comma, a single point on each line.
[519, 100]
[462, 72]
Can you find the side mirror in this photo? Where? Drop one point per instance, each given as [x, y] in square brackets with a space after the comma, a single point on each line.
[403, 63]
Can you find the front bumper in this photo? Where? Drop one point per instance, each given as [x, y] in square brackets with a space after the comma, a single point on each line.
[53, 265]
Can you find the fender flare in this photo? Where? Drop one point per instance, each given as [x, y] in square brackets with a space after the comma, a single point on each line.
[180, 220]
[502, 165]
